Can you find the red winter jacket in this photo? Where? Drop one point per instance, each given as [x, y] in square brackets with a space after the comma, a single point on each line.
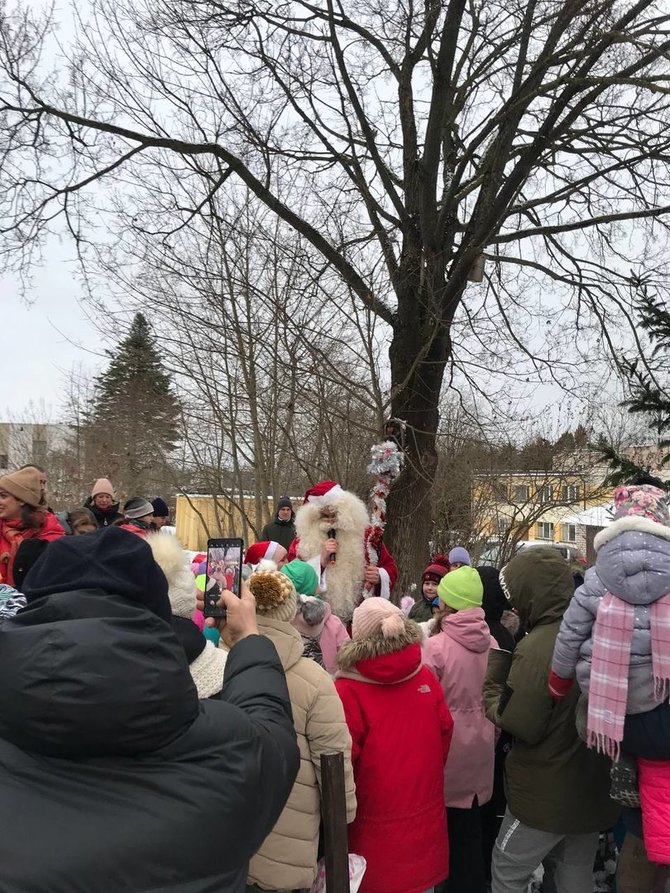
[12, 534]
[654, 780]
[401, 730]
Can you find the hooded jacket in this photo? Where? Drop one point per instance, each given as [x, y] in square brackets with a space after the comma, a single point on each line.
[553, 782]
[115, 778]
[288, 857]
[633, 563]
[401, 730]
[458, 656]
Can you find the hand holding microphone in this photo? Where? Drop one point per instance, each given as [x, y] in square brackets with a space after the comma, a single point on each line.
[328, 552]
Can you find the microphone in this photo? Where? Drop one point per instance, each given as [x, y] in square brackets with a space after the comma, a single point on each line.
[331, 536]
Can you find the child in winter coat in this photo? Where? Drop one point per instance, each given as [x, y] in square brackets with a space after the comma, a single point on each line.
[322, 631]
[287, 860]
[423, 607]
[401, 730]
[615, 636]
[457, 653]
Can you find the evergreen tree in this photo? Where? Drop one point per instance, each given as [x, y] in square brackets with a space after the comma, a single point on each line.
[132, 427]
[648, 393]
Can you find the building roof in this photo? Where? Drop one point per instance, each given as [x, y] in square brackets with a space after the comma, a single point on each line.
[598, 516]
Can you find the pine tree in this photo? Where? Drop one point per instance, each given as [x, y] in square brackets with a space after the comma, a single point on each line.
[132, 427]
[648, 395]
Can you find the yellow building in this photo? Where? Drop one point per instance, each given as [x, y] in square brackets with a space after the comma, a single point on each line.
[199, 518]
[511, 507]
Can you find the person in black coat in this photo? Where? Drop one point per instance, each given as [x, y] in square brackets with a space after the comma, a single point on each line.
[116, 778]
[495, 604]
[282, 527]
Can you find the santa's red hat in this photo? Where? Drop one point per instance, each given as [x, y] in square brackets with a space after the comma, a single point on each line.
[258, 551]
[324, 493]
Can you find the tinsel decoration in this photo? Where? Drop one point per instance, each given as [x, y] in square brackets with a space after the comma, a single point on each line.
[386, 464]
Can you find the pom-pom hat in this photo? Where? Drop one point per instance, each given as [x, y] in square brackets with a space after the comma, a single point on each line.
[258, 551]
[434, 573]
[274, 593]
[377, 616]
[324, 493]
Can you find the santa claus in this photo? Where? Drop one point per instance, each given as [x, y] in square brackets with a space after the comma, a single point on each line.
[332, 529]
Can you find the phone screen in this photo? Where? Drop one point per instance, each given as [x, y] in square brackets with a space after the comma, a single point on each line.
[224, 563]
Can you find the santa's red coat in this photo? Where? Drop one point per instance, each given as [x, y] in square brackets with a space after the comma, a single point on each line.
[400, 732]
[385, 561]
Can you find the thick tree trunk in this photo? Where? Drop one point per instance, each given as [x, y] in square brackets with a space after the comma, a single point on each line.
[417, 384]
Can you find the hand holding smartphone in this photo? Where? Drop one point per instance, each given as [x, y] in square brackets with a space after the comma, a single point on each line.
[224, 562]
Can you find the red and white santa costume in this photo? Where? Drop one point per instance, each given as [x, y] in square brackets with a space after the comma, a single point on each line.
[342, 582]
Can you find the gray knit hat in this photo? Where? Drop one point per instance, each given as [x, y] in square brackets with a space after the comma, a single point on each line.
[137, 507]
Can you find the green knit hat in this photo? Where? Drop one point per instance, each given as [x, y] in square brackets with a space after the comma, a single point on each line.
[303, 576]
[461, 589]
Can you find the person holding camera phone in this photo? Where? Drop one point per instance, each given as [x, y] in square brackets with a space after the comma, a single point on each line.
[116, 777]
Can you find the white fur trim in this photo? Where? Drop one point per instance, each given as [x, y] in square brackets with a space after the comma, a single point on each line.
[265, 564]
[332, 497]
[385, 583]
[173, 560]
[271, 549]
[207, 670]
[630, 522]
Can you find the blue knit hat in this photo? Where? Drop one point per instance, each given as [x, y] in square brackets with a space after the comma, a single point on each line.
[459, 555]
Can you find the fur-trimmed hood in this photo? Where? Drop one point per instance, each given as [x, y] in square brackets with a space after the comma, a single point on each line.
[173, 560]
[630, 522]
[633, 560]
[382, 659]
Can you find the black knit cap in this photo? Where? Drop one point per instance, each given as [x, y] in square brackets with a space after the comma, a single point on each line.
[117, 561]
[494, 601]
[161, 509]
[284, 503]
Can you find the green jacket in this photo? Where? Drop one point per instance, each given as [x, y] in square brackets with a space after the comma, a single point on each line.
[553, 782]
[282, 532]
[421, 610]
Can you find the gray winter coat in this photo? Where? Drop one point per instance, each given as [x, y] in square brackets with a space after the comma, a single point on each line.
[633, 563]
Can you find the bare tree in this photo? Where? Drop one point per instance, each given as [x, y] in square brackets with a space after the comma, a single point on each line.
[533, 134]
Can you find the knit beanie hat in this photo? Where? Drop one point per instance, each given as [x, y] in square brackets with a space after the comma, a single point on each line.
[434, 572]
[274, 593]
[494, 600]
[302, 575]
[284, 503]
[137, 507]
[461, 589]
[23, 485]
[102, 485]
[644, 501]
[160, 509]
[375, 616]
[459, 555]
[112, 560]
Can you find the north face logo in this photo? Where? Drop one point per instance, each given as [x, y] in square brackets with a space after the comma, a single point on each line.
[424, 688]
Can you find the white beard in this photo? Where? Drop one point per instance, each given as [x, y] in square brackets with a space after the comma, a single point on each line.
[344, 579]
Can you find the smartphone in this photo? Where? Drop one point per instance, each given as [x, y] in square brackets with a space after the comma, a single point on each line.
[224, 564]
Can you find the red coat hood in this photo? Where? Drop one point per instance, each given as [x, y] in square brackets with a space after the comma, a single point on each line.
[390, 668]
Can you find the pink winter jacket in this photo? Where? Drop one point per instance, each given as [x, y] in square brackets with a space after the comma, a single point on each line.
[458, 656]
[654, 780]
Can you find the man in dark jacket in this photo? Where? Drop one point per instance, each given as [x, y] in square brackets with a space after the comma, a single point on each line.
[557, 790]
[116, 778]
[282, 529]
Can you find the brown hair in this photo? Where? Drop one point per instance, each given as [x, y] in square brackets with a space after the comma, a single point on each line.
[32, 517]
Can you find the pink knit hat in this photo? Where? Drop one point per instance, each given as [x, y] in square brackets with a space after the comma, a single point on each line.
[377, 616]
[644, 501]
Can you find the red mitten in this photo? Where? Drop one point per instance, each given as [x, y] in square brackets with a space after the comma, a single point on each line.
[558, 686]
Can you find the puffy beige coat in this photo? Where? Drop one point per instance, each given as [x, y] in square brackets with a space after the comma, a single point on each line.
[287, 859]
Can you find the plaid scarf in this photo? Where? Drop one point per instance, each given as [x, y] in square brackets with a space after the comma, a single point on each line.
[608, 686]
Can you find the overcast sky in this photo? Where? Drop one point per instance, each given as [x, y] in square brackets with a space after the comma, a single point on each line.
[45, 335]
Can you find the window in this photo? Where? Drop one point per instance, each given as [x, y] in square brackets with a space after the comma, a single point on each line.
[500, 492]
[546, 493]
[521, 493]
[571, 493]
[502, 526]
[569, 533]
[545, 530]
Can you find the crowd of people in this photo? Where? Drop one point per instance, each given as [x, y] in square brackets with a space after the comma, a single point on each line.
[493, 728]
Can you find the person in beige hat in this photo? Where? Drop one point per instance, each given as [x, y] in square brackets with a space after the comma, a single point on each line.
[103, 503]
[23, 515]
[288, 858]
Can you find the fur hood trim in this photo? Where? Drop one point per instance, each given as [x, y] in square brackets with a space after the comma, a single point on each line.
[173, 560]
[630, 522]
[356, 650]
